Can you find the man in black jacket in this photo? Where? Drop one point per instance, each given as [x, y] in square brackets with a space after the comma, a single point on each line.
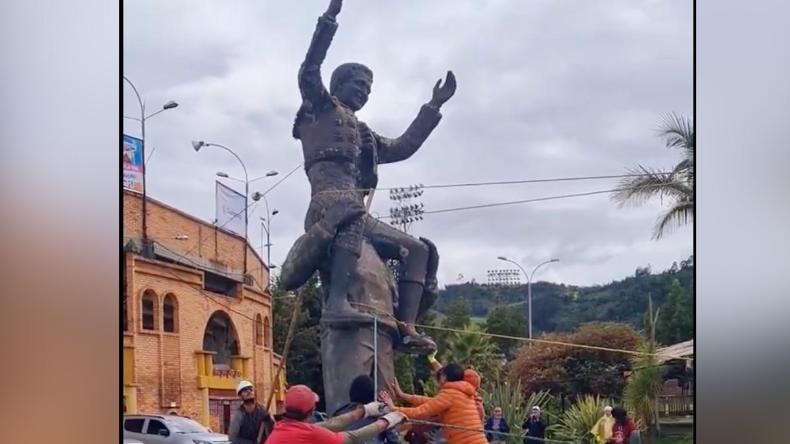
[361, 393]
[534, 427]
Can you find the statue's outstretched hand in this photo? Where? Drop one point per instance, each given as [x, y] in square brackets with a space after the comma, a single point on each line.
[442, 93]
[334, 8]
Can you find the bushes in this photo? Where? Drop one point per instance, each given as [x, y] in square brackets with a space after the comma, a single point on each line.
[515, 407]
[576, 423]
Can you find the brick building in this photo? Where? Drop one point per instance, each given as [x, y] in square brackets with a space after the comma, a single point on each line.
[193, 324]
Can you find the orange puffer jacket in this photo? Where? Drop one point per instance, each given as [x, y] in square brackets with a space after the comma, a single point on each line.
[473, 378]
[454, 405]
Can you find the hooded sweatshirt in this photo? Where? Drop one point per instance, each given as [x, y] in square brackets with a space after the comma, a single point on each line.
[454, 405]
[473, 378]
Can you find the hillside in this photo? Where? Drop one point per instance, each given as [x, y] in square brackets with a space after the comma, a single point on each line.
[559, 307]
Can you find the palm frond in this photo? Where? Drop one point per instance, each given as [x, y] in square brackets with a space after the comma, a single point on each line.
[679, 132]
[515, 407]
[683, 171]
[644, 184]
[579, 419]
[680, 214]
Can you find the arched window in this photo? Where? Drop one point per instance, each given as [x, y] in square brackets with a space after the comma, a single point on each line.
[170, 314]
[258, 330]
[267, 332]
[149, 310]
[220, 337]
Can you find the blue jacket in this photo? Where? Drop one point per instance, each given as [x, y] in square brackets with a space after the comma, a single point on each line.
[503, 428]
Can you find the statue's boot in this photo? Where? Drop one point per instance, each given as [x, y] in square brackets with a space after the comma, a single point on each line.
[431, 289]
[344, 263]
[409, 295]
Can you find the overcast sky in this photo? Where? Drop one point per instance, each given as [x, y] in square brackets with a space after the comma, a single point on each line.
[546, 89]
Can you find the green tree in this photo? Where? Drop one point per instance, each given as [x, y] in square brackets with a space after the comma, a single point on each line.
[677, 186]
[644, 385]
[458, 314]
[675, 322]
[471, 349]
[509, 322]
[303, 363]
[515, 406]
[569, 370]
[576, 423]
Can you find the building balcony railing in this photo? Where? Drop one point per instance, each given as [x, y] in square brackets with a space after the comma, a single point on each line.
[220, 378]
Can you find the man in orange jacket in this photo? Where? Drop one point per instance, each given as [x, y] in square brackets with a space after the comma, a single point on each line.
[470, 376]
[454, 405]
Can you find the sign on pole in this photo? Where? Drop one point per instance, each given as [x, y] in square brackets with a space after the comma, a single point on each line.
[231, 206]
[132, 153]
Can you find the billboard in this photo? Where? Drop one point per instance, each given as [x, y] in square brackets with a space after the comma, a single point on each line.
[132, 153]
[231, 207]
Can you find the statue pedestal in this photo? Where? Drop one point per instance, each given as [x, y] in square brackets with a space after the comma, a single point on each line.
[347, 345]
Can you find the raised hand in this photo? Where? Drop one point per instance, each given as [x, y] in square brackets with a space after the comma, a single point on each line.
[386, 399]
[442, 93]
[334, 8]
[395, 388]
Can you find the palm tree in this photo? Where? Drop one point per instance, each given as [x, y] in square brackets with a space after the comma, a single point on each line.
[677, 185]
[644, 386]
[472, 349]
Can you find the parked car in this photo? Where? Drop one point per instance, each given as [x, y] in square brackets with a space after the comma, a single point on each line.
[169, 429]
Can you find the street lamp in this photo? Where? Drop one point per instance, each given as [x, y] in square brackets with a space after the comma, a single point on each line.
[266, 225]
[227, 176]
[529, 285]
[197, 145]
[169, 105]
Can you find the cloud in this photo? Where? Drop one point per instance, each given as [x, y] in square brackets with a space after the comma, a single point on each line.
[546, 89]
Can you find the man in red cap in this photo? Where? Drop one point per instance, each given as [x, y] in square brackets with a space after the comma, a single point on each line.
[295, 427]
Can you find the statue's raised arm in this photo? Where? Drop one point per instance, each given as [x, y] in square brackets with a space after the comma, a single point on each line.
[395, 150]
[310, 84]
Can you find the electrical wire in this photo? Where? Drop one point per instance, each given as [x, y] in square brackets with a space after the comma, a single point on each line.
[503, 182]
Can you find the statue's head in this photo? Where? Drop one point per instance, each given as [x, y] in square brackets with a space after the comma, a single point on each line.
[351, 84]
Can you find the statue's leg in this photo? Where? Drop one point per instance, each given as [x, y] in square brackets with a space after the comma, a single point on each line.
[390, 241]
[345, 253]
[311, 248]
[431, 292]
[348, 352]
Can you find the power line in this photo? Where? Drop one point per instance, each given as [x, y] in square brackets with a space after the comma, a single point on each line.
[283, 179]
[517, 202]
[504, 182]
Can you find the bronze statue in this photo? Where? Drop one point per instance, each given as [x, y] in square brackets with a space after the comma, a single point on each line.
[341, 157]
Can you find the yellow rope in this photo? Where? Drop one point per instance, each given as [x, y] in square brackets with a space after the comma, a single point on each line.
[539, 341]
[517, 338]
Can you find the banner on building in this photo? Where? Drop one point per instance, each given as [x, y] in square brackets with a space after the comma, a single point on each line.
[231, 206]
[132, 152]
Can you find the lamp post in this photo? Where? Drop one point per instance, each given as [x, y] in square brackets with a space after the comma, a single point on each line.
[169, 105]
[266, 226]
[197, 145]
[256, 196]
[529, 285]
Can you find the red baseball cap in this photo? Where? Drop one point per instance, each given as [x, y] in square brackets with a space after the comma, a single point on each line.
[300, 398]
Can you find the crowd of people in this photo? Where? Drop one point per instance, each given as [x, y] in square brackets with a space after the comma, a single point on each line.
[455, 415]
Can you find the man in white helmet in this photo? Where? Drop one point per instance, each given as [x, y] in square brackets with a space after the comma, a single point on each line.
[250, 419]
[534, 427]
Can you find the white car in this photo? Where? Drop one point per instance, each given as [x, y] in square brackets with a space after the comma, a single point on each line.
[168, 429]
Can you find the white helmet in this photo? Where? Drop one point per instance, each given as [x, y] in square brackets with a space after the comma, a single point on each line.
[243, 385]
